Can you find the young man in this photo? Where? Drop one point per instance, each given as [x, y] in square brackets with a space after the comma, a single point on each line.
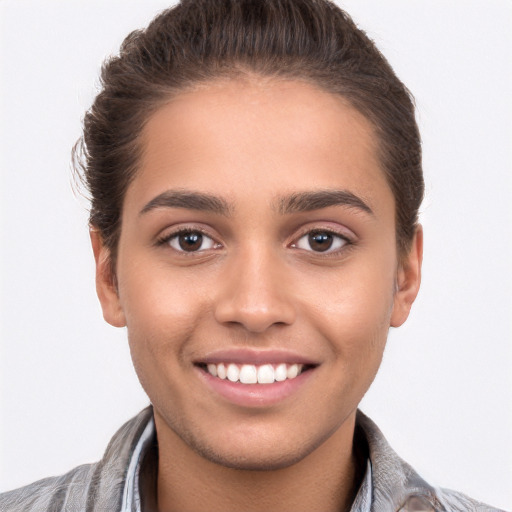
[251, 232]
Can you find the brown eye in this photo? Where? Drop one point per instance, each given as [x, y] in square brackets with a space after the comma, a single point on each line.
[321, 241]
[191, 241]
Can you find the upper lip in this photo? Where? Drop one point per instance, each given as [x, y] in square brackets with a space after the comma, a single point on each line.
[256, 357]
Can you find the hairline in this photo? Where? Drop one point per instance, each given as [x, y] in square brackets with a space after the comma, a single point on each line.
[245, 72]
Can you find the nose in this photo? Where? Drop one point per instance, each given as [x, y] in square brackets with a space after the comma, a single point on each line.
[254, 293]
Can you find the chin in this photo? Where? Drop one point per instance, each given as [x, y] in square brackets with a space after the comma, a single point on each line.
[256, 450]
[252, 461]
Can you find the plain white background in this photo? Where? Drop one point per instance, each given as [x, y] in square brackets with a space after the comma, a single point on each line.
[443, 395]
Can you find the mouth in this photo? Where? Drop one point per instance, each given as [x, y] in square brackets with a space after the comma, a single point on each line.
[252, 378]
[250, 374]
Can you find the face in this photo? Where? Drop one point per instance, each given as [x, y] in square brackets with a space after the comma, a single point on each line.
[257, 270]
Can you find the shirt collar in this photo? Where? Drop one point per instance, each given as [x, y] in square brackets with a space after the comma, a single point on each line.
[132, 493]
[363, 501]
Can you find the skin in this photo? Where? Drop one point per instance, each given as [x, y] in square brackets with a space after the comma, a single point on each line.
[257, 283]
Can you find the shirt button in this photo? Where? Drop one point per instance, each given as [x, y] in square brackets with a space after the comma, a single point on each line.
[417, 504]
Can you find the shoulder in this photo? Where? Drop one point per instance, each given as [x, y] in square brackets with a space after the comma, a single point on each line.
[396, 486]
[50, 493]
[94, 487]
[456, 501]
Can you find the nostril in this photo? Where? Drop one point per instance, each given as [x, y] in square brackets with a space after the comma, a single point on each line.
[255, 318]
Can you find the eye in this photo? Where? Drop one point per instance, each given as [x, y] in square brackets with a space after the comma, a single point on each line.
[321, 241]
[190, 241]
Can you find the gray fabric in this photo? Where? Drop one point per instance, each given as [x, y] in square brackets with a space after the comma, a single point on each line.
[89, 488]
[131, 492]
[100, 487]
[363, 499]
[397, 486]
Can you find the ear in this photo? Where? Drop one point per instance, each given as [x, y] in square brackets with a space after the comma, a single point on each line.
[408, 280]
[106, 288]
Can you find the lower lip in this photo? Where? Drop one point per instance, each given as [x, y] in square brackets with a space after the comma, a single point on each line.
[255, 395]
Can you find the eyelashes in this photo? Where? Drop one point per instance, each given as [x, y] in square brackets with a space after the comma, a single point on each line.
[189, 240]
[192, 241]
[321, 241]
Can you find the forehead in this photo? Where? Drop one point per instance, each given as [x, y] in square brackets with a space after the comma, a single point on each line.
[265, 136]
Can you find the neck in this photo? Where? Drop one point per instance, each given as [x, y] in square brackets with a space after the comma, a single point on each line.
[327, 479]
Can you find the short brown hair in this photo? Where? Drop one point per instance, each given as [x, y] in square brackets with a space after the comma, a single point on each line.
[198, 41]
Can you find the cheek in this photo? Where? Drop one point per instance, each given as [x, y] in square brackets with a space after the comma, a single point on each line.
[160, 322]
[352, 308]
[162, 310]
[155, 294]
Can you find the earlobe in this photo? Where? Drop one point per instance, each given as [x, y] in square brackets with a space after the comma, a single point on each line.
[408, 280]
[105, 282]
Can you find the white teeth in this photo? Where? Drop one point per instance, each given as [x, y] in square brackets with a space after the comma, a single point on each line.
[280, 372]
[212, 369]
[221, 371]
[233, 372]
[292, 371]
[252, 374]
[266, 374]
[248, 374]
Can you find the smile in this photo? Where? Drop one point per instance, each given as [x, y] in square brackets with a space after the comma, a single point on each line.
[255, 374]
[255, 378]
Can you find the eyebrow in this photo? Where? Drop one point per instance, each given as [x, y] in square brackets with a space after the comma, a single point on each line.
[188, 200]
[315, 200]
[294, 203]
